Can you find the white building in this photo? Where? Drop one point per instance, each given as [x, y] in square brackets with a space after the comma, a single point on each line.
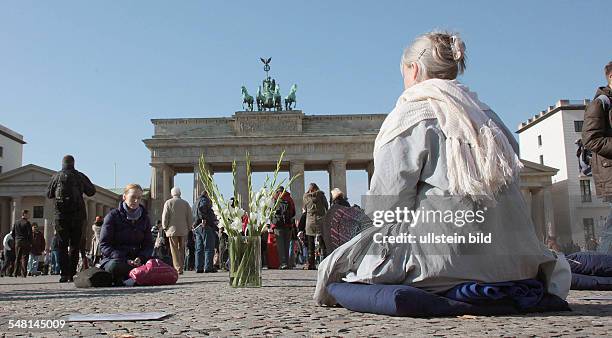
[11, 149]
[26, 188]
[549, 138]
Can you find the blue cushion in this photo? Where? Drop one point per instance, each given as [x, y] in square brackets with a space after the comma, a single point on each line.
[591, 263]
[408, 301]
[524, 293]
[586, 282]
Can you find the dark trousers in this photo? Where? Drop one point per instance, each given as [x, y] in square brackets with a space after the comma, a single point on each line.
[311, 249]
[223, 251]
[310, 240]
[69, 231]
[120, 270]
[205, 242]
[189, 258]
[283, 237]
[22, 252]
[9, 262]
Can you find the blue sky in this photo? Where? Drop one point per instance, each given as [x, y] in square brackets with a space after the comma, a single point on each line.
[86, 77]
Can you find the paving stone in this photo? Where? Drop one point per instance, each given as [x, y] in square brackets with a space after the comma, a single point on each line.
[204, 304]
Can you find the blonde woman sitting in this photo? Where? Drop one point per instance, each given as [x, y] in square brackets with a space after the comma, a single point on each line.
[441, 151]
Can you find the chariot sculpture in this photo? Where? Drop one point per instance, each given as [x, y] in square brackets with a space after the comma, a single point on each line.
[268, 95]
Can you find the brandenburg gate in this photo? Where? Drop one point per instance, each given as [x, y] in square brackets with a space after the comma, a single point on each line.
[332, 143]
[335, 143]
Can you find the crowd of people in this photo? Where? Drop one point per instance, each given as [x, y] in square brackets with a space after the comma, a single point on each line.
[187, 238]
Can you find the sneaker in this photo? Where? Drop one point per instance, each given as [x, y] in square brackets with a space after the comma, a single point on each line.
[129, 282]
[65, 279]
[210, 271]
[199, 271]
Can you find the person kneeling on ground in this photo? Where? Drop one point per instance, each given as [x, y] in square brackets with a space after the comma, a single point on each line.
[125, 238]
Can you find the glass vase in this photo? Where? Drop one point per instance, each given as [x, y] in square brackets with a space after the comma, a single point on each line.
[245, 261]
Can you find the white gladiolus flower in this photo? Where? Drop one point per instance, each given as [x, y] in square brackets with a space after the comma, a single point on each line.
[236, 224]
[254, 216]
[239, 212]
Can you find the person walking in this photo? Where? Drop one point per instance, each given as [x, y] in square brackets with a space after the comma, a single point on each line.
[316, 206]
[8, 248]
[176, 221]
[597, 137]
[54, 268]
[205, 230]
[66, 188]
[38, 247]
[190, 251]
[96, 254]
[282, 224]
[22, 233]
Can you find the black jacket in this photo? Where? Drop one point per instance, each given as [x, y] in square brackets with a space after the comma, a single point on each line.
[86, 187]
[341, 201]
[597, 137]
[123, 239]
[22, 231]
[203, 211]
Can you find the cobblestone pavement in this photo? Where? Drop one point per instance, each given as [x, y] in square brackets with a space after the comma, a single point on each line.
[204, 304]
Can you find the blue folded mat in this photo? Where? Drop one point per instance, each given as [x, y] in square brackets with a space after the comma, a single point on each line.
[590, 263]
[408, 301]
[586, 282]
[524, 293]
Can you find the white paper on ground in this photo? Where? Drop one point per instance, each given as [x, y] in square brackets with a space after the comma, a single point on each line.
[596, 298]
[117, 317]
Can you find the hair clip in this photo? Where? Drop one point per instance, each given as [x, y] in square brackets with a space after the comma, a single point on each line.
[421, 54]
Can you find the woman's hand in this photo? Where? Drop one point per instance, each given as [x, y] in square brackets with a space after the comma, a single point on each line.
[135, 263]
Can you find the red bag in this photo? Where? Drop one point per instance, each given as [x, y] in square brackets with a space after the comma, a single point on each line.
[154, 272]
[272, 251]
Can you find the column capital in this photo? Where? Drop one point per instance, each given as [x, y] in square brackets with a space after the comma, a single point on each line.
[338, 162]
[296, 166]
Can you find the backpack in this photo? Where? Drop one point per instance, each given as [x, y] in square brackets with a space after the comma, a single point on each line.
[203, 209]
[282, 215]
[605, 101]
[68, 192]
[93, 277]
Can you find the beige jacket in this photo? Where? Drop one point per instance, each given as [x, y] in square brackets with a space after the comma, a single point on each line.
[176, 217]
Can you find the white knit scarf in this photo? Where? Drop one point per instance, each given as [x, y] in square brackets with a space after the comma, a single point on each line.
[479, 158]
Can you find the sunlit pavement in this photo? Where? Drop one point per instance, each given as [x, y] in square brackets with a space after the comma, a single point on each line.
[204, 304]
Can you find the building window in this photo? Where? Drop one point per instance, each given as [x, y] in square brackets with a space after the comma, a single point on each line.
[0, 169]
[585, 190]
[1, 151]
[540, 140]
[39, 212]
[578, 126]
[542, 159]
